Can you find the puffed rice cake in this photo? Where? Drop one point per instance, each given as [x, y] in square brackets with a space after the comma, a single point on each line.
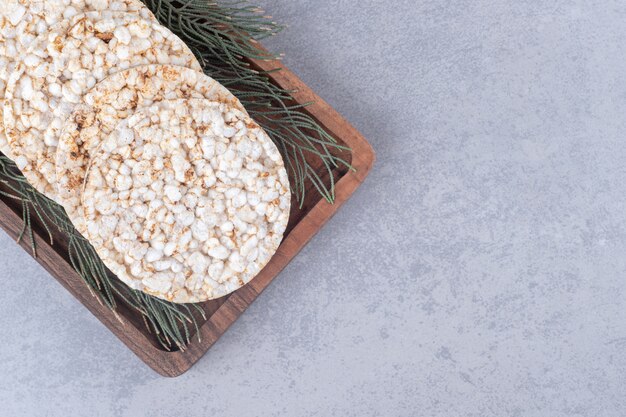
[61, 65]
[21, 21]
[187, 200]
[111, 101]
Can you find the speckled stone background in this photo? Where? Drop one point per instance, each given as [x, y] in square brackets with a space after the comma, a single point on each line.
[480, 271]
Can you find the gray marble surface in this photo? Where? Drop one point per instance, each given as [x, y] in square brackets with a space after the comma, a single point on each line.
[480, 271]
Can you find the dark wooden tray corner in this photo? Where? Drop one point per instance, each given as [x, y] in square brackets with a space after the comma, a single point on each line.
[304, 223]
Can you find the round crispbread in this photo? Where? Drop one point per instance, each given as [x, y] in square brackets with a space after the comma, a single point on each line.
[22, 21]
[112, 100]
[61, 66]
[187, 201]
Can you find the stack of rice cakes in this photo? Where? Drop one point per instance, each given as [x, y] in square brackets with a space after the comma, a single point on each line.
[182, 195]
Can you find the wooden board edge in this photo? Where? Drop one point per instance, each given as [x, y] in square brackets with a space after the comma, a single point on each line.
[172, 364]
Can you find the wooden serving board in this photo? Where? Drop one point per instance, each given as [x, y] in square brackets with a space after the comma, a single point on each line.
[304, 223]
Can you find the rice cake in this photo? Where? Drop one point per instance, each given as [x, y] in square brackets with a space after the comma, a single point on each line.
[187, 201]
[62, 65]
[22, 21]
[112, 100]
